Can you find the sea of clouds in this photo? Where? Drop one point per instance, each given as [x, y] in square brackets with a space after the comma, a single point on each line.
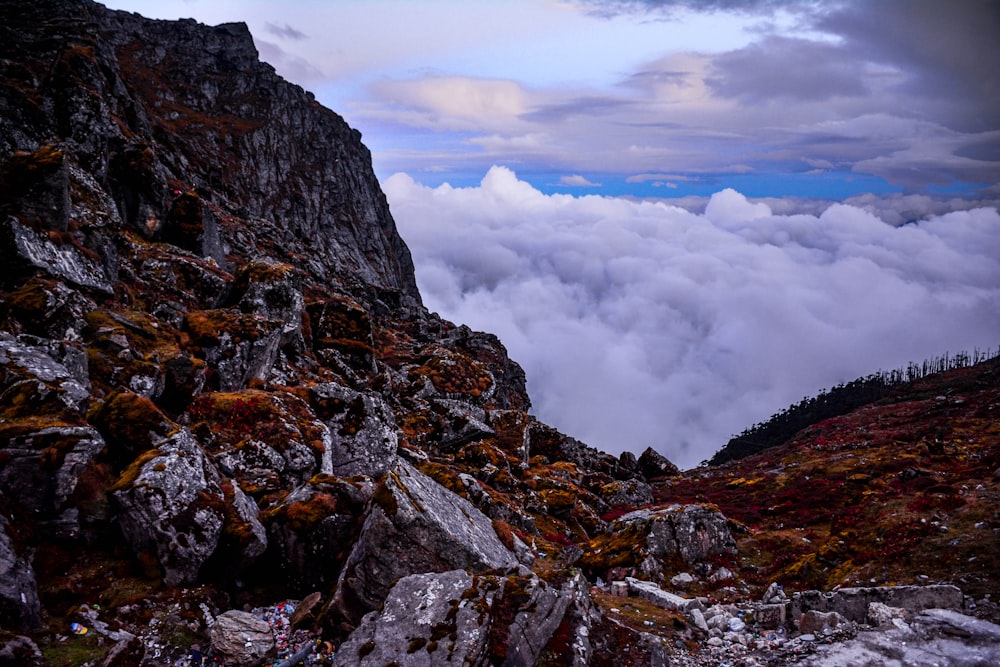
[643, 324]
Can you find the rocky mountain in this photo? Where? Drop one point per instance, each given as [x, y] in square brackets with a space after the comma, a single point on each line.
[230, 433]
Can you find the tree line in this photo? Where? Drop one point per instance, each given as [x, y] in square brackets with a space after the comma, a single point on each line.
[840, 400]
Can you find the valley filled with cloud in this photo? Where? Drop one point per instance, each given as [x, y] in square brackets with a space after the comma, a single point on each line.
[644, 324]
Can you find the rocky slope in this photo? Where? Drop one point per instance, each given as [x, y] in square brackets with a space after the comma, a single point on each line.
[220, 392]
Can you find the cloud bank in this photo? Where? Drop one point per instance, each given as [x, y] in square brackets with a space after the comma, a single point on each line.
[643, 324]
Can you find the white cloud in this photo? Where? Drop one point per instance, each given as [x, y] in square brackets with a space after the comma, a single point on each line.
[578, 181]
[640, 323]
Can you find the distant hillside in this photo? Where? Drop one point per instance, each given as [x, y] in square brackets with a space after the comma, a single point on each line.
[902, 490]
[881, 386]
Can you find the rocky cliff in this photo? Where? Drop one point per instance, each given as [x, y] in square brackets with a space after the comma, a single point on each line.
[219, 391]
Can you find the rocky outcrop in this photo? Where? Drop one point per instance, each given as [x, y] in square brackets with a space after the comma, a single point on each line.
[262, 147]
[653, 465]
[659, 543]
[19, 604]
[175, 510]
[457, 618]
[414, 525]
[362, 429]
[216, 373]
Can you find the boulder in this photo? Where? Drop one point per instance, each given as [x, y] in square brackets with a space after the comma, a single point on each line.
[456, 618]
[273, 291]
[414, 525]
[771, 616]
[691, 534]
[882, 614]
[19, 604]
[21, 651]
[241, 639]
[363, 432]
[341, 329]
[427, 619]
[652, 464]
[49, 309]
[629, 493]
[459, 423]
[174, 510]
[236, 346]
[932, 637]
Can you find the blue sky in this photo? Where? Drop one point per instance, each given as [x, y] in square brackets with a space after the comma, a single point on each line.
[679, 216]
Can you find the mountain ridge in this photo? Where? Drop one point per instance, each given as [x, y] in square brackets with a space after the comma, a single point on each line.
[220, 392]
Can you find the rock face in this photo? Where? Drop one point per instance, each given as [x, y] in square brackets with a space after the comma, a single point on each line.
[149, 115]
[414, 525]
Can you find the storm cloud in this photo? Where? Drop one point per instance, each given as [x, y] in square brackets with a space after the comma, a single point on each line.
[643, 324]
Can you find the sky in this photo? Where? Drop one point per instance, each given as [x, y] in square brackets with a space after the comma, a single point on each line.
[679, 216]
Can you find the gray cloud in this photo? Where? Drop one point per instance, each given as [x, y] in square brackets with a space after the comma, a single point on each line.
[284, 31]
[640, 323]
[948, 51]
[780, 68]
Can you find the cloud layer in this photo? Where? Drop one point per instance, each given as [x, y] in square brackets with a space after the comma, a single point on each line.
[640, 324]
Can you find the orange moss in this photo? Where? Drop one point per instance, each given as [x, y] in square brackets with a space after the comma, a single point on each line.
[455, 373]
[130, 474]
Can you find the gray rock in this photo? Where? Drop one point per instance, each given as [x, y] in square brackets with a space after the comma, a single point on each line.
[239, 638]
[771, 616]
[414, 525]
[627, 493]
[240, 347]
[19, 604]
[460, 423]
[882, 614]
[21, 651]
[272, 291]
[29, 369]
[852, 603]
[538, 617]
[650, 591]
[698, 618]
[455, 618]
[935, 637]
[312, 527]
[427, 619]
[363, 432]
[173, 508]
[35, 251]
[691, 532]
[682, 580]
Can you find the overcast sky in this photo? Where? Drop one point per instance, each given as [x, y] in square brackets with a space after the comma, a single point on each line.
[574, 176]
